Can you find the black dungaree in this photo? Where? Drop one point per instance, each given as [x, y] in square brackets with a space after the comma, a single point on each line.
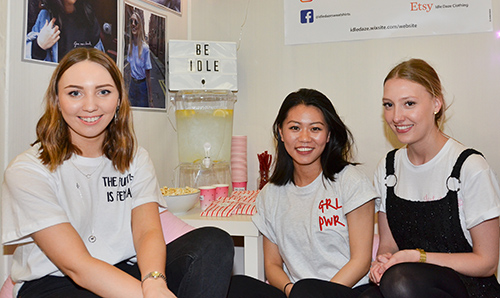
[434, 225]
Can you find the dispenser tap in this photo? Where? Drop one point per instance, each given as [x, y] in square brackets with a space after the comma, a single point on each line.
[207, 162]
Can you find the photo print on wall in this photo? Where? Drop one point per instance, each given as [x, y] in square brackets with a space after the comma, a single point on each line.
[54, 27]
[144, 49]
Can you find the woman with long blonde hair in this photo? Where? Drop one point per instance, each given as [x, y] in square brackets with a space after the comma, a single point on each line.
[439, 200]
[138, 57]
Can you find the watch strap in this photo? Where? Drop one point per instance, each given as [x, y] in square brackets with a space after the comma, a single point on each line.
[154, 275]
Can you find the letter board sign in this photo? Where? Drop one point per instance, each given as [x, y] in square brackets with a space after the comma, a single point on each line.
[202, 65]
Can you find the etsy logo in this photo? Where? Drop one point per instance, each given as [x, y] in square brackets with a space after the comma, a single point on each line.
[306, 0]
[416, 6]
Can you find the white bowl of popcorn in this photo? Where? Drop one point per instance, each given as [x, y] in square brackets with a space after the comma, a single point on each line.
[180, 200]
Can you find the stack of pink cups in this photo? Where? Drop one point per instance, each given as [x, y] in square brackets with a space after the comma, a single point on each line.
[239, 176]
[209, 194]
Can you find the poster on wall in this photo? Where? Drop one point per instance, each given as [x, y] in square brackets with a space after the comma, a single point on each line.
[316, 21]
[144, 57]
[54, 27]
[174, 5]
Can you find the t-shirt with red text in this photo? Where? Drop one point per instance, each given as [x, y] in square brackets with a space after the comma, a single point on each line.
[309, 224]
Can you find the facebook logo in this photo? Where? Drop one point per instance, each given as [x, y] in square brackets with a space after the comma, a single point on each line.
[306, 16]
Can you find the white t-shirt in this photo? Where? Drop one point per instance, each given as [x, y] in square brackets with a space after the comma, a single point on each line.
[479, 195]
[309, 224]
[33, 198]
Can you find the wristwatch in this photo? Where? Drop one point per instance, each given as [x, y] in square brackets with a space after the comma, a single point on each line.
[154, 275]
[423, 255]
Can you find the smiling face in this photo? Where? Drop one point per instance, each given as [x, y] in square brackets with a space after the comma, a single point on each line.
[409, 110]
[305, 134]
[87, 98]
[134, 24]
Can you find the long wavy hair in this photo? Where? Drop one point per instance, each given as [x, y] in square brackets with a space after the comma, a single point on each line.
[420, 72]
[140, 39]
[53, 132]
[338, 151]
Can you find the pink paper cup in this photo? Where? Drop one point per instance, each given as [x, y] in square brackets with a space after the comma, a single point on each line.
[221, 190]
[207, 196]
[239, 186]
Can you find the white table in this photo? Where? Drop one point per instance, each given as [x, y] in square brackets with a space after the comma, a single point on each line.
[235, 225]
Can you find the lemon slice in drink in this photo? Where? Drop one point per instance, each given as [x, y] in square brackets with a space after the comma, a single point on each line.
[219, 113]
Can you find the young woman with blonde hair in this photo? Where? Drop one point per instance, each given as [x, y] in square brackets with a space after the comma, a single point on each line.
[139, 59]
[440, 201]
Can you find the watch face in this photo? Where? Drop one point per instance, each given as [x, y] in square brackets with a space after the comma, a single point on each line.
[155, 275]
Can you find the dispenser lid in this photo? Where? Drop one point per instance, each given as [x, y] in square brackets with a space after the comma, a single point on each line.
[202, 65]
[204, 100]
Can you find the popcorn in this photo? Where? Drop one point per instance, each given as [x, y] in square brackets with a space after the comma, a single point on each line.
[177, 191]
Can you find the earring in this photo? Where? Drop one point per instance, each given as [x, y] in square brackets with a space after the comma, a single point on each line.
[435, 112]
[116, 113]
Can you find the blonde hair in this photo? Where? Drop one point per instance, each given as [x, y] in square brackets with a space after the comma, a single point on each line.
[141, 36]
[420, 72]
[53, 132]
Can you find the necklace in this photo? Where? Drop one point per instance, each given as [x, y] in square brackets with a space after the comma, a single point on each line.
[88, 175]
[92, 238]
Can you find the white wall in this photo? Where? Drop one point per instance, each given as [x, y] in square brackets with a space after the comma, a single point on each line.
[351, 75]
[3, 92]
[3, 108]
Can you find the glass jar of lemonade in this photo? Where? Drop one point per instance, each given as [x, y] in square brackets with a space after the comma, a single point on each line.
[204, 116]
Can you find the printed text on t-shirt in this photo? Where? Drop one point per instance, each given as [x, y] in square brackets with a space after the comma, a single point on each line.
[123, 192]
[334, 220]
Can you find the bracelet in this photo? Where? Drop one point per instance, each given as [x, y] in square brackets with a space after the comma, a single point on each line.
[154, 275]
[423, 255]
[284, 289]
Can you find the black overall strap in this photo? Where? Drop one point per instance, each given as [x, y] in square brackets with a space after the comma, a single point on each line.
[455, 173]
[389, 163]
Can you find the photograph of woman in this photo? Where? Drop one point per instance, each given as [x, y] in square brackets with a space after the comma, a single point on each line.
[139, 60]
[144, 58]
[60, 26]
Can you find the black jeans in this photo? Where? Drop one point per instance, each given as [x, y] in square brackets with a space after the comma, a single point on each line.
[247, 287]
[416, 280]
[199, 265]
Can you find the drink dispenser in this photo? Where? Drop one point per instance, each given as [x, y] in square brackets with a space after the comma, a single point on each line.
[204, 120]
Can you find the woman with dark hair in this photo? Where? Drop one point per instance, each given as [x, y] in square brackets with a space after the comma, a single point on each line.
[317, 212]
[82, 202]
[439, 200]
[61, 26]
